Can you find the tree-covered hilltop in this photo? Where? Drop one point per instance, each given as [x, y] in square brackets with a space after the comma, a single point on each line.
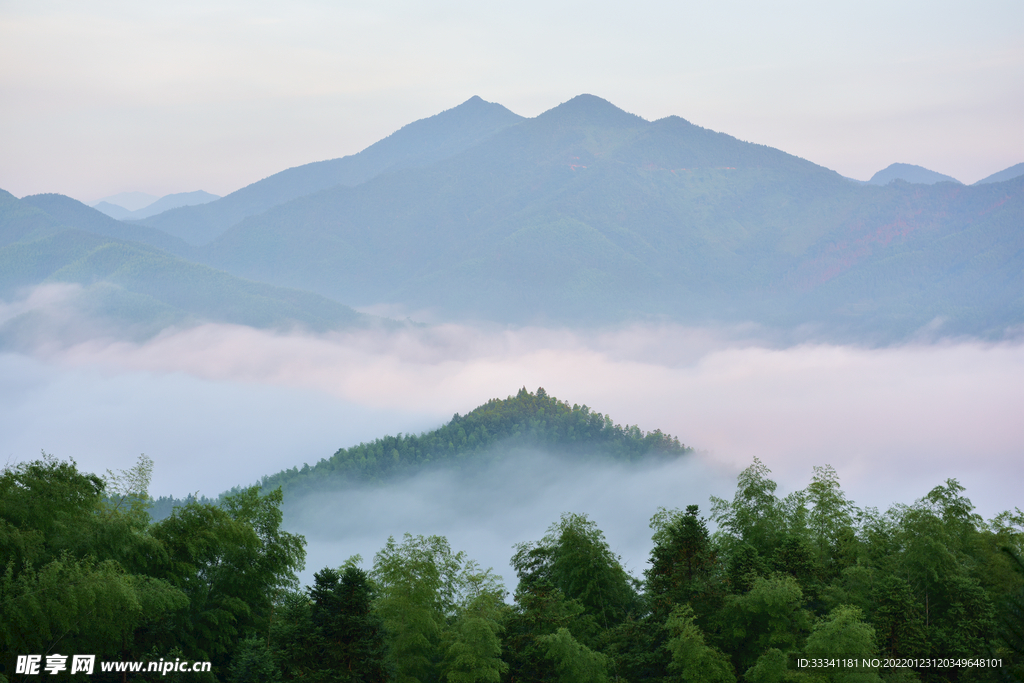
[526, 420]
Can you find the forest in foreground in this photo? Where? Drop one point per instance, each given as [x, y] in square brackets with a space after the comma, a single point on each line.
[759, 588]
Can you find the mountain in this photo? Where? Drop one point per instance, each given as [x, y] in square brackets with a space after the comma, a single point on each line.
[113, 210]
[1015, 171]
[128, 201]
[73, 213]
[417, 144]
[581, 205]
[50, 239]
[910, 174]
[165, 203]
[495, 430]
[589, 215]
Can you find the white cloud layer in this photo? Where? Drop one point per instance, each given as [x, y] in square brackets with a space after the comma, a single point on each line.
[219, 405]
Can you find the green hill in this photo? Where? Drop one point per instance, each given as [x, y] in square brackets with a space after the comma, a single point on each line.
[125, 282]
[494, 430]
[74, 214]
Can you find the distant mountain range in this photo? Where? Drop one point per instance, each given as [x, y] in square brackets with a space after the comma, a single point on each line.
[165, 203]
[588, 215]
[126, 283]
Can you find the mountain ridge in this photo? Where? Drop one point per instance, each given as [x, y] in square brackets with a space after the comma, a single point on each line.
[134, 286]
[419, 142]
[910, 173]
[495, 430]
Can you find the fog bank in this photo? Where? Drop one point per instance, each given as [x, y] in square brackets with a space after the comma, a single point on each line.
[486, 511]
[220, 405]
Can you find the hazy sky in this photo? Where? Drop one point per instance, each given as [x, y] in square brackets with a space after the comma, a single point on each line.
[108, 96]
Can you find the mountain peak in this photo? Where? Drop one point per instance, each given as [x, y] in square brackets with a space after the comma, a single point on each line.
[590, 110]
[911, 174]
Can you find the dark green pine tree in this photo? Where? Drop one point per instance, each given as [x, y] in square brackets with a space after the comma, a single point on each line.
[348, 643]
[681, 565]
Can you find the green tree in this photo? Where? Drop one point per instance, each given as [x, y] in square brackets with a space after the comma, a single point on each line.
[898, 620]
[230, 562]
[75, 566]
[771, 667]
[682, 562]
[831, 519]
[693, 661]
[474, 655]
[770, 614]
[418, 586]
[575, 558]
[755, 515]
[540, 610]
[844, 634]
[253, 663]
[573, 661]
[346, 639]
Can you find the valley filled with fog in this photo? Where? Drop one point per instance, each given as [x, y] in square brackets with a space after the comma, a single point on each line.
[217, 406]
[450, 343]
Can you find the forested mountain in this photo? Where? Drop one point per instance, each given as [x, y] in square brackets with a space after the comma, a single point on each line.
[587, 214]
[54, 239]
[495, 430]
[72, 213]
[417, 144]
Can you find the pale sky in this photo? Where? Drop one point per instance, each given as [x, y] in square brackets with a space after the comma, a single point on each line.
[109, 96]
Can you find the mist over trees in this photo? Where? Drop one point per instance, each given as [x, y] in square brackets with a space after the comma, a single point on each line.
[741, 592]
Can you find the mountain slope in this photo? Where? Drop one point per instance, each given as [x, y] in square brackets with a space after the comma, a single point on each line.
[128, 283]
[165, 203]
[73, 213]
[494, 430]
[1015, 171]
[420, 143]
[587, 214]
[911, 174]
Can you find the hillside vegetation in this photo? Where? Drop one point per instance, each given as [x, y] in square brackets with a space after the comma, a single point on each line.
[926, 591]
[50, 239]
[494, 430]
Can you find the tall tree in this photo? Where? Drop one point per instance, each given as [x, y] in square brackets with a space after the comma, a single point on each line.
[682, 562]
[755, 515]
[575, 558]
[346, 641]
[418, 586]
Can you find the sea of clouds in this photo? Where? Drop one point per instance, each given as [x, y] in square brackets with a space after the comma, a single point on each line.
[221, 405]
